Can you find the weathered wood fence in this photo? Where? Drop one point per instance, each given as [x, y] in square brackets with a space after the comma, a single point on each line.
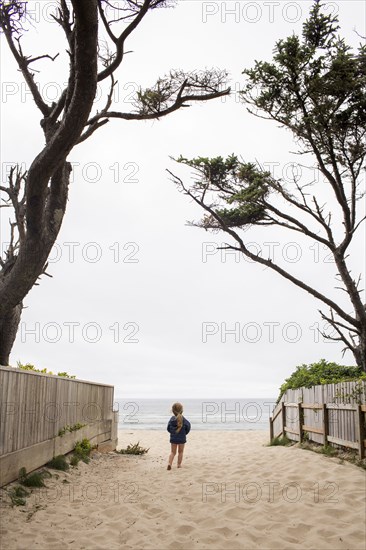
[35, 408]
[330, 414]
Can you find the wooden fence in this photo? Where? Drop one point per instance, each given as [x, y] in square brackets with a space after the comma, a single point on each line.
[35, 409]
[330, 414]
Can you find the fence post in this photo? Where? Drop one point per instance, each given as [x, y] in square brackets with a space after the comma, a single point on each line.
[283, 417]
[325, 424]
[300, 411]
[270, 429]
[360, 431]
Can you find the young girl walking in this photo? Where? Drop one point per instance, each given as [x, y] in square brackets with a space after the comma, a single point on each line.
[178, 427]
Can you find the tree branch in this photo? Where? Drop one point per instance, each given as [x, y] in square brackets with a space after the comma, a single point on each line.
[28, 76]
[266, 262]
[179, 102]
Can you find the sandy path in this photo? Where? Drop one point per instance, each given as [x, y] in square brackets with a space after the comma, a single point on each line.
[233, 492]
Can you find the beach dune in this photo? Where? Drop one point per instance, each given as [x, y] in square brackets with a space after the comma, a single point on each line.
[233, 492]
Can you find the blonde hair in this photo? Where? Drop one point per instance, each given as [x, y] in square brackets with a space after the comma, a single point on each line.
[177, 410]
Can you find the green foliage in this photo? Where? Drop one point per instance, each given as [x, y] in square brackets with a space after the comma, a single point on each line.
[17, 495]
[82, 450]
[315, 86]
[241, 186]
[70, 429]
[282, 441]
[323, 372]
[28, 366]
[36, 479]
[152, 101]
[358, 393]
[217, 170]
[65, 375]
[58, 463]
[327, 450]
[169, 91]
[133, 450]
[246, 213]
[348, 455]
[74, 460]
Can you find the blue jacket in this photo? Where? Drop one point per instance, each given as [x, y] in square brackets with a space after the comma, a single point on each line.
[181, 436]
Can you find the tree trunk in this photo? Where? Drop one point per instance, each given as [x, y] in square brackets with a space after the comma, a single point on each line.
[30, 263]
[8, 331]
[359, 351]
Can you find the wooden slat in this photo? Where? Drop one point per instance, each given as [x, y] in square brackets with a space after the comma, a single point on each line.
[270, 429]
[290, 431]
[311, 406]
[300, 421]
[275, 414]
[343, 442]
[325, 424]
[283, 417]
[342, 406]
[312, 429]
[291, 404]
[361, 432]
[5, 409]
[12, 409]
[363, 408]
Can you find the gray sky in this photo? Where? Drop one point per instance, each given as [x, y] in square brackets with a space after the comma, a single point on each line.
[138, 299]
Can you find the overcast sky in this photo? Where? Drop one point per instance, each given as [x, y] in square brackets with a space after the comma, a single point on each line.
[138, 299]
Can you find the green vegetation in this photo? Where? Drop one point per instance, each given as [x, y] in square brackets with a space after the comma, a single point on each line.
[328, 450]
[323, 372]
[74, 460]
[357, 394]
[36, 479]
[58, 462]
[282, 441]
[314, 86]
[28, 366]
[347, 455]
[82, 451]
[17, 495]
[70, 429]
[133, 450]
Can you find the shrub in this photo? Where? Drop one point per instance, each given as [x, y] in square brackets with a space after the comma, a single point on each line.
[32, 480]
[323, 372]
[70, 429]
[17, 495]
[82, 450]
[328, 450]
[133, 450]
[58, 463]
[348, 455]
[28, 366]
[74, 460]
[280, 441]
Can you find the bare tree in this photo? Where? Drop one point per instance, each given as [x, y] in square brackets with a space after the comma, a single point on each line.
[315, 88]
[39, 196]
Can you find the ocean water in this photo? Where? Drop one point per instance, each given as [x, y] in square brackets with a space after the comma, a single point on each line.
[204, 414]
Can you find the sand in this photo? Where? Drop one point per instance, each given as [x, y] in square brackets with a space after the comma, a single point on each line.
[233, 492]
